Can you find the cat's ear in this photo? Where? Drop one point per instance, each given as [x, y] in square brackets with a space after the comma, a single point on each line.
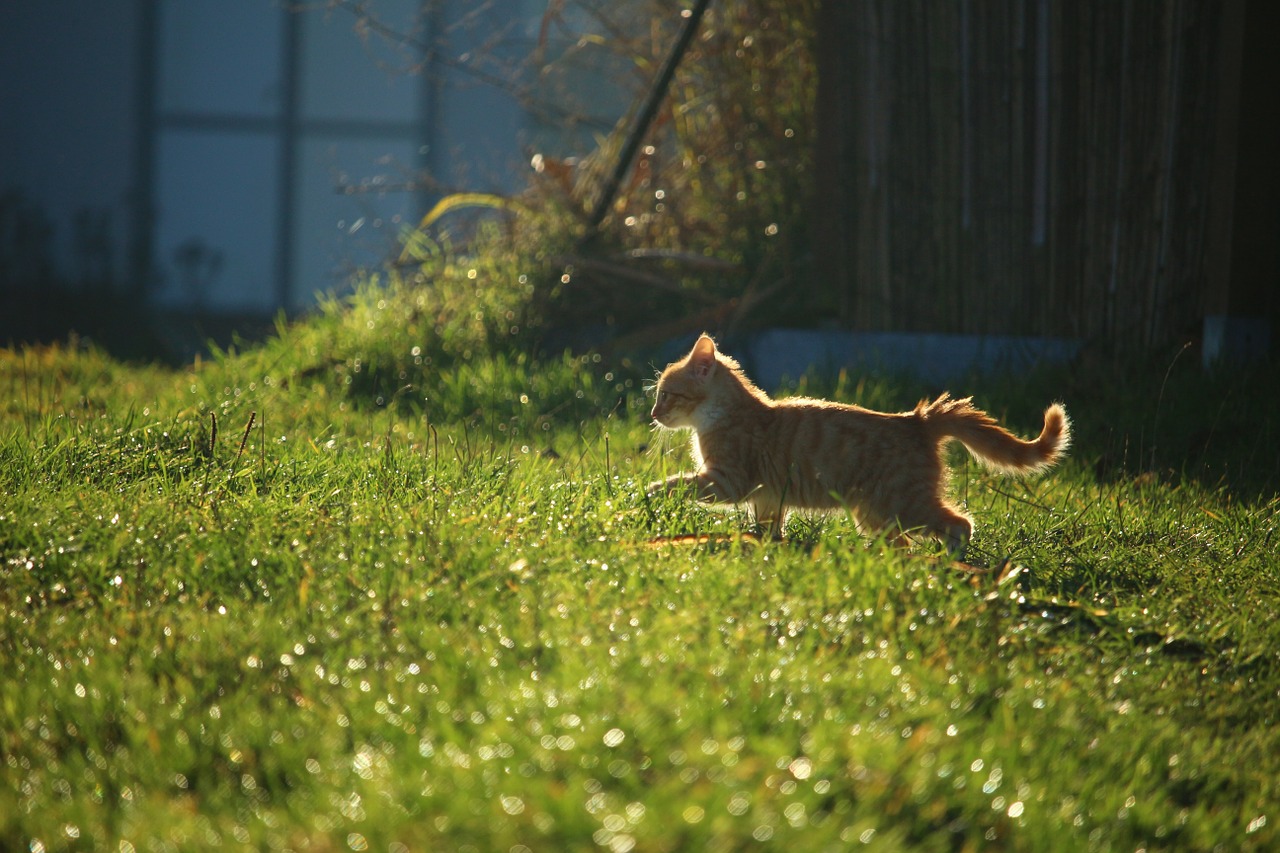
[703, 357]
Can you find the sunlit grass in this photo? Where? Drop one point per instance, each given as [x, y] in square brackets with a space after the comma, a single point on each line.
[243, 606]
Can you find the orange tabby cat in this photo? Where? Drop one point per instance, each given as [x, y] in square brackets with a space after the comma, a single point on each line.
[779, 455]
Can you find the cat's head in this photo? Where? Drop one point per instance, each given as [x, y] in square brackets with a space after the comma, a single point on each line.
[685, 386]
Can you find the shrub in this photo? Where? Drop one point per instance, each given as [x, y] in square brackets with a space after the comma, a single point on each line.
[714, 208]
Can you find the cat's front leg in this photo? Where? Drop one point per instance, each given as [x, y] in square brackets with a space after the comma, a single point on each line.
[677, 484]
[704, 486]
[770, 517]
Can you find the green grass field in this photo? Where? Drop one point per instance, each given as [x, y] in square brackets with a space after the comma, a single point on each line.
[289, 601]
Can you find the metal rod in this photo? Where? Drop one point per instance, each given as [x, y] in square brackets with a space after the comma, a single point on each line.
[647, 112]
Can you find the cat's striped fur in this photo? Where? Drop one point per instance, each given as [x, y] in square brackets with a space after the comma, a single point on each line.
[780, 455]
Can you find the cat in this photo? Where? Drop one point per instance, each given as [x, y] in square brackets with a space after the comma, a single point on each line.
[803, 454]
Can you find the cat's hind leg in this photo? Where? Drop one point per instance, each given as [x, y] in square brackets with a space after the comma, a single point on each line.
[927, 516]
[950, 527]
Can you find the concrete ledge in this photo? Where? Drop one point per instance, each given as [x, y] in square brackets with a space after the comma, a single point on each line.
[1232, 340]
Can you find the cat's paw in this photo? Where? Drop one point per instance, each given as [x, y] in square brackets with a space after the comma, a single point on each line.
[656, 489]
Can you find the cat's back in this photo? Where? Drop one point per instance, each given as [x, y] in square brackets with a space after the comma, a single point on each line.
[810, 423]
[812, 410]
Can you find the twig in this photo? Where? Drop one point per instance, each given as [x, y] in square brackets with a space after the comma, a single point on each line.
[432, 54]
[262, 456]
[608, 468]
[1155, 421]
[235, 465]
[692, 259]
[609, 268]
[213, 442]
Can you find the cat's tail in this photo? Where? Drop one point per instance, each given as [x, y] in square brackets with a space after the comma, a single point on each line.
[990, 443]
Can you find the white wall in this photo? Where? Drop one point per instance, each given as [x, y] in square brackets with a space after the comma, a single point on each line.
[66, 122]
[252, 178]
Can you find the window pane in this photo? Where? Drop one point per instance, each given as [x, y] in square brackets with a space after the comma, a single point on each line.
[338, 231]
[351, 72]
[221, 57]
[216, 229]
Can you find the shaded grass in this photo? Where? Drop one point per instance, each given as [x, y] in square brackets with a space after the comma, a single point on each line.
[380, 625]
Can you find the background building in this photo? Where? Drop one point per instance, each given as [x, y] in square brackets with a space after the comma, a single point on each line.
[235, 157]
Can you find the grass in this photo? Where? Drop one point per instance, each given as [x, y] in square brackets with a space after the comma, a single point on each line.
[245, 605]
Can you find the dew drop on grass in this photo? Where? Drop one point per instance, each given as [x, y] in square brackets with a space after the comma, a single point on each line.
[801, 768]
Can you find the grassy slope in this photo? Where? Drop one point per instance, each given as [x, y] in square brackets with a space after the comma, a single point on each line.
[366, 630]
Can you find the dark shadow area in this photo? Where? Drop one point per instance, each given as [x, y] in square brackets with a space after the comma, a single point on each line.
[1165, 417]
[93, 303]
[122, 326]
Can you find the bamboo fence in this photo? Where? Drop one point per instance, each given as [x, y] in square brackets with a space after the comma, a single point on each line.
[1028, 166]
